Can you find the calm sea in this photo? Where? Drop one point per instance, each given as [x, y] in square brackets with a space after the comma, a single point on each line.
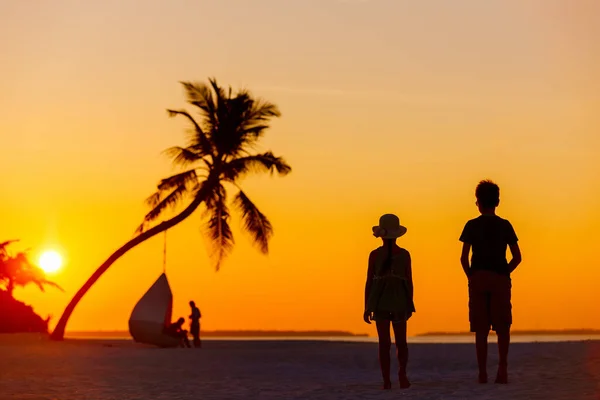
[411, 339]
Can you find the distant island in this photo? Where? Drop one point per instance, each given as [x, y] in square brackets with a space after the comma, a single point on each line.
[236, 333]
[550, 332]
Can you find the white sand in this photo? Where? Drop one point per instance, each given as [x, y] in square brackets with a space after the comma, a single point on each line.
[102, 370]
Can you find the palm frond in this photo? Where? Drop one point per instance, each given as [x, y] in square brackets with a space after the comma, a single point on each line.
[219, 230]
[7, 242]
[4, 245]
[160, 204]
[263, 110]
[220, 94]
[153, 200]
[183, 156]
[182, 179]
[255, 131]
[255, 222]
[40, 283]
[199, 94]
[200, 141]
[265, 162]
[255, 119]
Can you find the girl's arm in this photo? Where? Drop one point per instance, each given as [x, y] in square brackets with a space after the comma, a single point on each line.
[409, 278]
[370, 272]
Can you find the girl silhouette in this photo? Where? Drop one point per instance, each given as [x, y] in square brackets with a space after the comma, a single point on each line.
[389, 296]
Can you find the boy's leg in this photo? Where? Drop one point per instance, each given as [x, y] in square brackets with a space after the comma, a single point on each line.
[401, 352]
[385, 344]
[503, 345]
[481, 347]
[501, 308]
[479, 318]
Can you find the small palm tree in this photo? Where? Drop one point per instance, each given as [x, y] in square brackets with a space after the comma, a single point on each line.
[17, 270]
[218, 154]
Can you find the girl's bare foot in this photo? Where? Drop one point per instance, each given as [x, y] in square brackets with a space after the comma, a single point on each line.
[483, 378]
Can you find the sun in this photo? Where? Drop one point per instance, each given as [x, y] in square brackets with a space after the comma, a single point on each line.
[50, 261]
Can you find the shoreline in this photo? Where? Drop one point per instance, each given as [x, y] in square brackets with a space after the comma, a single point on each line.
[549, 332]
[110, 341]
[329, 334]
[229, 334]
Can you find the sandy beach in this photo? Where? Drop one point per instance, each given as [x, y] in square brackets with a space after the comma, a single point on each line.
[121, 370]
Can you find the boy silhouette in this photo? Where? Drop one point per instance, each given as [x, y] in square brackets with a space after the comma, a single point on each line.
[488, 273]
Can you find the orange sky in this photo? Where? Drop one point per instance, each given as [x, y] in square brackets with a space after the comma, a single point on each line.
[388, 106]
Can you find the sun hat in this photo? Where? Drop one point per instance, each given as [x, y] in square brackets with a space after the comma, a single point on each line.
[389, 227]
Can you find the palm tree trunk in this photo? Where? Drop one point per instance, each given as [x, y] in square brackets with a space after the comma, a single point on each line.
[59, 330]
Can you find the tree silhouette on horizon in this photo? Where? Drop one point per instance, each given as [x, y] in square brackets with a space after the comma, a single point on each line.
[17, 270]
[217, 155]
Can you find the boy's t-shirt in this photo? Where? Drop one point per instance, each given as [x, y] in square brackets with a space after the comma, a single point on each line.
[489, 236]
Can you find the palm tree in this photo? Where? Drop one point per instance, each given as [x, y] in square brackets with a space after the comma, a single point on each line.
[217, 155]
[17, 270]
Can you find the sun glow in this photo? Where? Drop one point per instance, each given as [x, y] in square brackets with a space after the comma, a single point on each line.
[50, 261]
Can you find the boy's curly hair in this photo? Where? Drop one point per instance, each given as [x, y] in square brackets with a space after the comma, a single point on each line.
[488, 194]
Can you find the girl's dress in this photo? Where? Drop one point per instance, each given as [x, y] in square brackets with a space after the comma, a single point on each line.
[389, 298]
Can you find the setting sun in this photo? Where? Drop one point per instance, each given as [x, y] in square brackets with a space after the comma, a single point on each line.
[50, 261]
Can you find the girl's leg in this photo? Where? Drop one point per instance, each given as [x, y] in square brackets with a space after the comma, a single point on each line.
[401, 352]
[385, 343]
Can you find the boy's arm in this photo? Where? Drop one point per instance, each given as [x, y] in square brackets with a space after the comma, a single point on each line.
[464, 258]
[516, 257]
[466, 239]
[513, 244]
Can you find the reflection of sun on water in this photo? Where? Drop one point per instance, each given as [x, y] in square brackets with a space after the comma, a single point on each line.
[50, 261]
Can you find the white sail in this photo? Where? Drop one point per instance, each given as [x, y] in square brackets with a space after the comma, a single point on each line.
[151, 315]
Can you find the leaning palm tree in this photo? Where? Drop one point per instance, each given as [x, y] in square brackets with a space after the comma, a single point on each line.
[217, 155]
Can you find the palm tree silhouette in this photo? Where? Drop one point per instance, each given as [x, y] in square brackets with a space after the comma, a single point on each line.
[217, 155]
[17, 270]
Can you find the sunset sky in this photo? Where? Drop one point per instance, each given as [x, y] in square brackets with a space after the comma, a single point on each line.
[388, 106]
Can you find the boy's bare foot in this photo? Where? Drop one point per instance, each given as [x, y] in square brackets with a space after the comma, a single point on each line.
[387, 385]
[404, 382]
[502, 376]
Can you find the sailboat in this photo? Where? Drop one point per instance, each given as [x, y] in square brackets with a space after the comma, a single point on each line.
[152, 314]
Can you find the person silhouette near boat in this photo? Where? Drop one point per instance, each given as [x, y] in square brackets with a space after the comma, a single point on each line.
[195, 324]
[176, 330]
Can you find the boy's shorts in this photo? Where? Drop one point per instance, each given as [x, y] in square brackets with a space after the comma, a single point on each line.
[489, 301]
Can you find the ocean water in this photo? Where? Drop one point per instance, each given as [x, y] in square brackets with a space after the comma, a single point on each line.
[373, 339]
